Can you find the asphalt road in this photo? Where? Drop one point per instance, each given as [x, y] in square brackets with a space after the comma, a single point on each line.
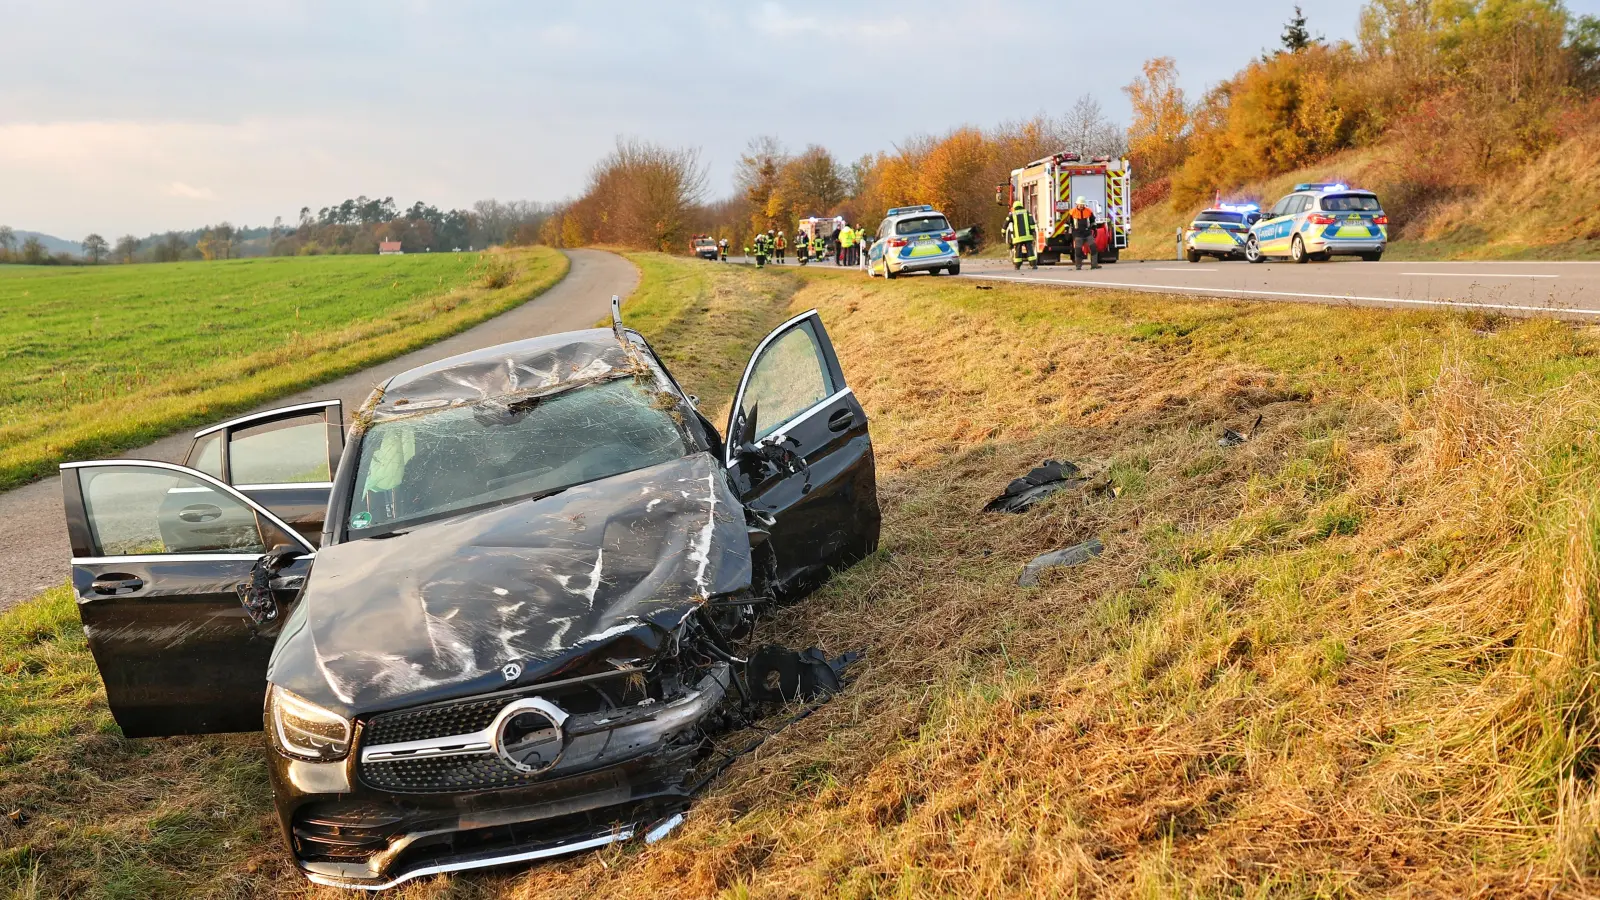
[1512, 288]
[34, 552]
[1565, 289]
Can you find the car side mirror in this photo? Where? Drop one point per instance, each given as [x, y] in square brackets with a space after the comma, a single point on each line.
[256, 594]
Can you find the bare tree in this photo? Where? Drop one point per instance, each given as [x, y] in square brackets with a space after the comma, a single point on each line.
[127, 246]
[642, 195]
[8, 239]
[94, 248]
[1087, 131]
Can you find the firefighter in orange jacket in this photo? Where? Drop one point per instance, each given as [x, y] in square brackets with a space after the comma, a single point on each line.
[1084, 235]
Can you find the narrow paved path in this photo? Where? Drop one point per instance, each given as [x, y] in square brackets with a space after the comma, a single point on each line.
[33, 532]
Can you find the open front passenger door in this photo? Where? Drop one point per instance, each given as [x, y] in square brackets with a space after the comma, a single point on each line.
[798, 447]
[283, 459]
[158, 551]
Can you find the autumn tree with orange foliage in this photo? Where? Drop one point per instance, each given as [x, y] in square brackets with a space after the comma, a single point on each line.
[1159, 134]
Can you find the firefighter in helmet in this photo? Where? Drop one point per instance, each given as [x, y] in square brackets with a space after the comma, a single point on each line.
[1024, 243]
[761, 250]
[1083, 234]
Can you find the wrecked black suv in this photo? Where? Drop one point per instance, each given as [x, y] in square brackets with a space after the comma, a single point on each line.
[538, 574]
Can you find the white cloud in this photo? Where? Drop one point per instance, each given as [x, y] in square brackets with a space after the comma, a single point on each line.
[776, 21]
[179, 189]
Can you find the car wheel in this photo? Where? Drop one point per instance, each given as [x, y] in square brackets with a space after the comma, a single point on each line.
[1372, 257]
[1191, 256]
[1297, 251]
[1252, 250]
[955, 270]
[888, 271]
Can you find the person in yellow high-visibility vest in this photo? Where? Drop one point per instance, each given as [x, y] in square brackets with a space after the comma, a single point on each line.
[1024, 237]
[847, 241]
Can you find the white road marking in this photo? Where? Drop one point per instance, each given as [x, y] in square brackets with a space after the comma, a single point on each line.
[1476, 275]
[1158, 269]
[1172, 288]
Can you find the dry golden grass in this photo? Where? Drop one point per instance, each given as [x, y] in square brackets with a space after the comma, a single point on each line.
[1354, 656]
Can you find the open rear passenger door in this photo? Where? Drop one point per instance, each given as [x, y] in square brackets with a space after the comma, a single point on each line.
[283, 459]
[158, 551]
[798, 447]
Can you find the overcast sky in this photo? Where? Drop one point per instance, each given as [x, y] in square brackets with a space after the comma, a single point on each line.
[143, 116]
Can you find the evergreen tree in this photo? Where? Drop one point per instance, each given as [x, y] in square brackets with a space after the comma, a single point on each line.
[1296, 36]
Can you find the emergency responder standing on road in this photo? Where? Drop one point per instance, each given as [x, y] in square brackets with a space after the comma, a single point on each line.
[802, 248]
[722, 250]
[847, 240]
[1083, 234]
[817, 247]
[1022, 229]
[782, 247]
[761, 250]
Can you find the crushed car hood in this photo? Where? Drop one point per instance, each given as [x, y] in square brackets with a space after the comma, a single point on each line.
[514, 593]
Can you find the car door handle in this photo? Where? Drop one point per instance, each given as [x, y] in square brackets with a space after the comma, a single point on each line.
[116, 584]
[841, 420]
[199, 512]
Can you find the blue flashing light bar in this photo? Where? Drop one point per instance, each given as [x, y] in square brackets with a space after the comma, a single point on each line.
[1239, 207]
[902, 210]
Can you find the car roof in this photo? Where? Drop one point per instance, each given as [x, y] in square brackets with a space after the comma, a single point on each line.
[915, 213]
[532, 366]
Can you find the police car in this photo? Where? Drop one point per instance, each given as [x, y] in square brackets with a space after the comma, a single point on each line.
[1318, 221]
[1220, 231]
[914, 239]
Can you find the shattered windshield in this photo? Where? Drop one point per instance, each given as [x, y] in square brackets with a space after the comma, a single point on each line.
[425, 466]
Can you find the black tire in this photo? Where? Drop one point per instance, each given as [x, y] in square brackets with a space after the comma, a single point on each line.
[1372, 257]
[1191, 256]
[888, 272]
[1252, 250]
[1297, 251]
[1324, 256]
[954, 270]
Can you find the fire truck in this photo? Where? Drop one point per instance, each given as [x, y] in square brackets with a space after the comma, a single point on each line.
[1050, 186]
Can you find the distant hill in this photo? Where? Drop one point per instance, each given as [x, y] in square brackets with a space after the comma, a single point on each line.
[51, 243]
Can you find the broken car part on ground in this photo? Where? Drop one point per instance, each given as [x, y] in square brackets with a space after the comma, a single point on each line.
[1046, 479]
[530, 604]
[1075, 555]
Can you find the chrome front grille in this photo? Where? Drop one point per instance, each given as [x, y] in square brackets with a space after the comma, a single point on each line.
[432, 722]
[467, 772]
[452, 747]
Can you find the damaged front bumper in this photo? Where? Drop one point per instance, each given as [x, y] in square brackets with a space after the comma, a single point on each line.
[460, 792]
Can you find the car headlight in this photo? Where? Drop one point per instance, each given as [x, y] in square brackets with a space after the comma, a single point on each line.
[305, 730]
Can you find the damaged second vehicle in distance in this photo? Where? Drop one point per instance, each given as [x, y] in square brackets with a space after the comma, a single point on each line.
[529, 607]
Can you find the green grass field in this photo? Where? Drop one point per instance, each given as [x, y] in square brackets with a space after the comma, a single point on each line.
[1354, 656]
[95, 360]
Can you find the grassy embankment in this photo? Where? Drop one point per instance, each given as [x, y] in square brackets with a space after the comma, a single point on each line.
[1547, 209]
[1354, 656]
[97, 360]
